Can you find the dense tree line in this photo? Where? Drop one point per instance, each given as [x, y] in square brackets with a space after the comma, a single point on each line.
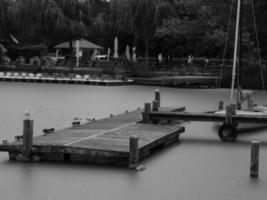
[175, 28]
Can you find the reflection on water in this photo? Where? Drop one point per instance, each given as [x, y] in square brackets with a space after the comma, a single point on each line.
[200, 167]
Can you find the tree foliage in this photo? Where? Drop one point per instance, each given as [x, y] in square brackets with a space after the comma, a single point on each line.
[173, 27]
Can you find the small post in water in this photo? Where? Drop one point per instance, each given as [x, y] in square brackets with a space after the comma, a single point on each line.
[27, 134]
[254, 162]
[157, 96]
[133, 152]
[146, 113]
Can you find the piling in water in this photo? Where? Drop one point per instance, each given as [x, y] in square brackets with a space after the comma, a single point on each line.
[27, 137]
[157, 96]
[228, 115]
[254, 162]
[146, 113]
[133, 152]
[155, 106]
[233, 107]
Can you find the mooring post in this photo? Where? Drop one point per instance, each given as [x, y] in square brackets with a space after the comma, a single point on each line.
[27, 134]
[157, 96]
[233, 107]
[228, 115]
[220, 106]
[254, 162]
[146, 113]
[133, 152]
[155, 106]
[75, 121]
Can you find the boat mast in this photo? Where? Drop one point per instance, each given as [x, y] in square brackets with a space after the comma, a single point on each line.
[240, 56]
[235, 50]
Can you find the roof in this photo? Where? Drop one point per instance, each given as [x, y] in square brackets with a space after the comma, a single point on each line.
[84, 44]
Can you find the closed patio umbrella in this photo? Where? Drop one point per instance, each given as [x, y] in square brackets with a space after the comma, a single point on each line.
[116, 54]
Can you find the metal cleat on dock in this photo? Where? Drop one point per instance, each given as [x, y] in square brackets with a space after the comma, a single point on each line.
[48, 130]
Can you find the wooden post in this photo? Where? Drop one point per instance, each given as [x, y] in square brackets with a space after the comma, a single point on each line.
[155, 106]
[146, 113]
[254, 162]
[157, 96]
[27, 134]
[220, 106]
[228, 115]
[233, 106]
[133, 152]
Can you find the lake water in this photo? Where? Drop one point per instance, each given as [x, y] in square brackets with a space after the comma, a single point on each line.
[200, 167]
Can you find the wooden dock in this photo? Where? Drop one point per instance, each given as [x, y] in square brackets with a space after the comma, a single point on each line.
[230, 119]
[67, 80]
[179, 81]
[208, 117]
[105, 141]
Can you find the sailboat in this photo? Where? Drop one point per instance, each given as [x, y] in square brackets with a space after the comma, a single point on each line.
[229, 132]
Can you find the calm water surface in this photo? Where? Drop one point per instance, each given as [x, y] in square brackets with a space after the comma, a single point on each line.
[200, 167]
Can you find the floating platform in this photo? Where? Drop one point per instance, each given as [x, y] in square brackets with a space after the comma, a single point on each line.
[105, 141]
[229, 119]
[111, 82]
[209, 117]
[179, 81]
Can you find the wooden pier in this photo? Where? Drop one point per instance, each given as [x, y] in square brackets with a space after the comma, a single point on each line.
[207, 117]
[229, 120]
[67, 80]
[120, 140]
[179, 81]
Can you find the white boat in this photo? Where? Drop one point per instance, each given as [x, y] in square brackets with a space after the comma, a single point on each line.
[238, 97]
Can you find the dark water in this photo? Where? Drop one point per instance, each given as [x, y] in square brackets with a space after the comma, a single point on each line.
[201, 167]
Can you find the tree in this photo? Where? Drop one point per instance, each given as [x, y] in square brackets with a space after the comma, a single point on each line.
[4, 24]
[164, 10]
[144, 23]
[4, 17]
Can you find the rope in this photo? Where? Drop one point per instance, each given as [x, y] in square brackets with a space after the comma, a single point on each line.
[226, 42]
[258, 47]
